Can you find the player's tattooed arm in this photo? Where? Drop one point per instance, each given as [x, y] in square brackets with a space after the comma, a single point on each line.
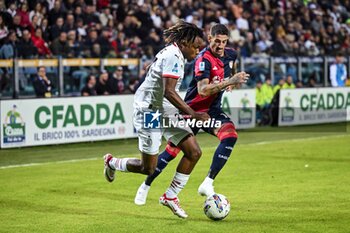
[174, 98]
[207, 89]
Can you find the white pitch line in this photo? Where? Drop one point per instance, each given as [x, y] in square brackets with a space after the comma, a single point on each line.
[297, 139]
[92, 159]
[47, 163]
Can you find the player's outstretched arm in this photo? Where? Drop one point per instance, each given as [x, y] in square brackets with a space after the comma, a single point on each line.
[174, 98]
[207, 89]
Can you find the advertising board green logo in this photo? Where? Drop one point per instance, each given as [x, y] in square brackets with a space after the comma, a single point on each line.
[288, 110]
[13, 127]
[58, 116]
[245, 114]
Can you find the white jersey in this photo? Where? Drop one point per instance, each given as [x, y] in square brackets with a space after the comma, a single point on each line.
[168, 63]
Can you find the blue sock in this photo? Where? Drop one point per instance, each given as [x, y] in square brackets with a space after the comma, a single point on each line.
[221, 155]
[163, 159]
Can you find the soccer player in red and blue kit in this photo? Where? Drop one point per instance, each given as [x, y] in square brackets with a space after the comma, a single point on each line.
[212, 66]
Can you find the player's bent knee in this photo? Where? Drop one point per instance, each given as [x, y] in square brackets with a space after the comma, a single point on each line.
[196, 153]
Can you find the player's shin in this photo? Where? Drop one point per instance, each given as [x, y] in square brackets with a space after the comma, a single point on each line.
[221, 155]
[164, 158]
[178, 183]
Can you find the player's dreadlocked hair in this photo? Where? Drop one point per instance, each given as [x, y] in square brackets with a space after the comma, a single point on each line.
[182, 32]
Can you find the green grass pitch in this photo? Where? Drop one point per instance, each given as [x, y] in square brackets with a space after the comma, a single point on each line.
[293, 179]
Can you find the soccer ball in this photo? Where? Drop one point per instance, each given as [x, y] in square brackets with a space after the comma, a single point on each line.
[216, 207]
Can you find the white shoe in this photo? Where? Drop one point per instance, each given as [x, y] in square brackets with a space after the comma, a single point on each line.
[141, 195]
[108, 171]
[174, 205]
[206, 190]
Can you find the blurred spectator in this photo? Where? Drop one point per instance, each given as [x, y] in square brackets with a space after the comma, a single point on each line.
[40, 44]
[279, 86]
[312, 82]
[104, 43]
[261, 102]
[26, 48]
[280, 47]
[56, 29]
[9, 48]
[42, 84]
[133, 85]
[57, 11]
[60, 46]
[115, 83]
[96, 51]
[12, 9]
[267, 91]
[242, 22]
[264, 44]
[259, 99]
[16, 26]
[45, 29]
[90, 41]
[37, 11]
[90, 16]
[3, 30]
[299, 84]
[33, 24]
[289, 83]
[81, 28]
[338, 73]
[235, 36]
[74, 44]
[105, 16]
[69, 23]
[23, 13]
[248, 46]
[89, 88]
[101, 85]
[153, 40]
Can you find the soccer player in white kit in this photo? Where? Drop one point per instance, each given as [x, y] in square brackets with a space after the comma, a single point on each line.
[163, 80]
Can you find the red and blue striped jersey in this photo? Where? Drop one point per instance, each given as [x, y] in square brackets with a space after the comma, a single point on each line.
[216, 70]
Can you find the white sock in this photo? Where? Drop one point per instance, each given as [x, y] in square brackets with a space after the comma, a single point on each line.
[119, 164]
[208, 181]
[178, 183]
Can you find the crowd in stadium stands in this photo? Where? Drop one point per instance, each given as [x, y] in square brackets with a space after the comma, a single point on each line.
[111, 28]
[133, 29]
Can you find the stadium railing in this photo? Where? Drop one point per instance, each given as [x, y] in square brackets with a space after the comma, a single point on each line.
[68, 75]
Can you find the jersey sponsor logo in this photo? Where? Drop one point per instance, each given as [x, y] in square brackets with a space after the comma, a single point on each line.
[201, 66]
[175, 68]
[215, 68]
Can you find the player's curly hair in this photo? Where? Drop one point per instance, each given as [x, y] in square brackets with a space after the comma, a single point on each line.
[182, 32]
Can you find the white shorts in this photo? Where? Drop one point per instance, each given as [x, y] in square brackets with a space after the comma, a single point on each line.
[150, 139]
